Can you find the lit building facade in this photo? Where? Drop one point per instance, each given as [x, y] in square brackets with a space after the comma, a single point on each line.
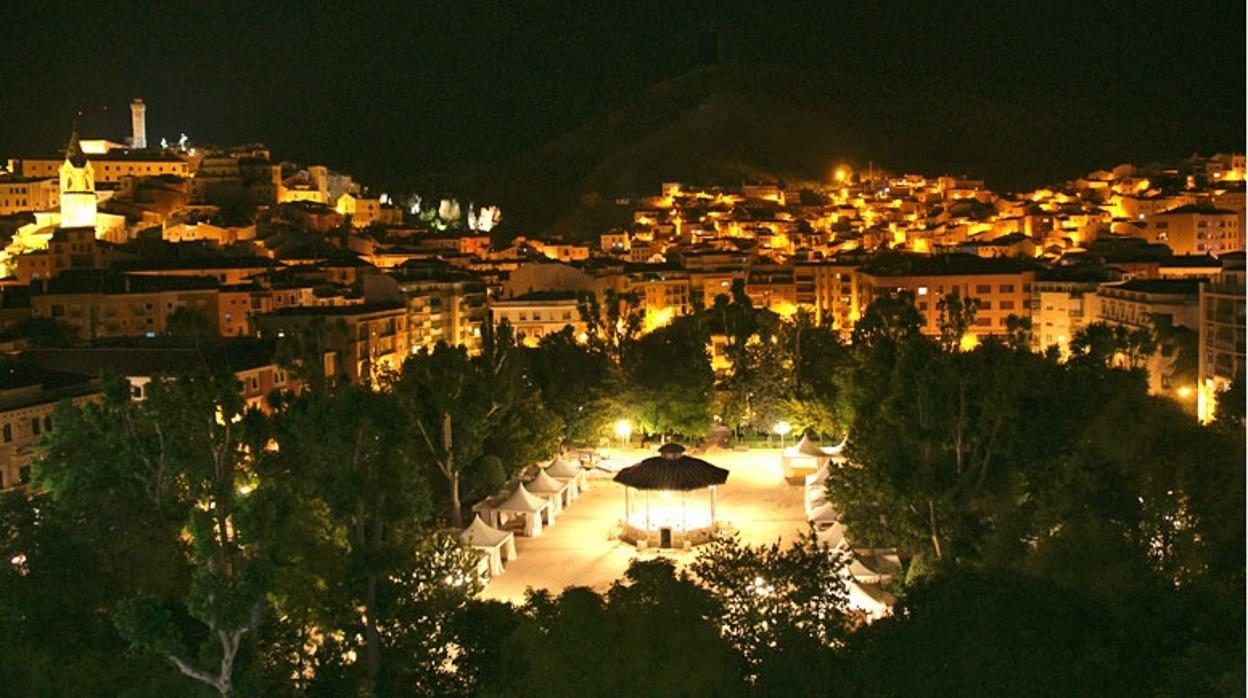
[367, 339]
[1221, 335]
[1193, 229]
[537, 315]
[1001, 286]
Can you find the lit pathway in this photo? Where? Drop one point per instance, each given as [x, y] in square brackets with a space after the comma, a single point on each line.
[578, 550]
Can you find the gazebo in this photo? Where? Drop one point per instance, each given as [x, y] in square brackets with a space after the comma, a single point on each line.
[561, 469]
[669, 513]
[495, 545]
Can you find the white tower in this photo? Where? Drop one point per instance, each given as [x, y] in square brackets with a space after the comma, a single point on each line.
[77, 188]
[138, 124]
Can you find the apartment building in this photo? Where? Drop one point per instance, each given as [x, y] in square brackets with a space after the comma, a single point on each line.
[536, 315]
[28, 396]
[1222, 331]
[367, 339]
[1001, 286]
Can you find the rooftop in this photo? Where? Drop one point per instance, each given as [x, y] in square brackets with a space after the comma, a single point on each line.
[1160, 286]
[136, 359]
[945, 265]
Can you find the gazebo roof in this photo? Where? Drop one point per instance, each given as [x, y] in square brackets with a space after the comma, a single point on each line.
[523, 501]
[483, 535]
[672, 470]
[561, 468]
[545, 483]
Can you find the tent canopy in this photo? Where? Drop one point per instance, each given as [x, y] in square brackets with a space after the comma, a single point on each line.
[824, 513]
[523, 501]
[545, 483]
[482, 535]
[806, 447]
[560, 468]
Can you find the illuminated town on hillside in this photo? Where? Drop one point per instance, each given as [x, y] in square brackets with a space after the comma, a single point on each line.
[336, 400]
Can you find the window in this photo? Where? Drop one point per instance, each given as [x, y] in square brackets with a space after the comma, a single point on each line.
[983, 288]
[254, 383]
[47, 422]
[8, 433]
[1006, 288]
[35, 426]
[1007, 305]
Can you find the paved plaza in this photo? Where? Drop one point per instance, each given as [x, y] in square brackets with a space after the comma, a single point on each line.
[579, 549]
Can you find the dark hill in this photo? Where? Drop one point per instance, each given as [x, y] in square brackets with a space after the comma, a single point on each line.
[728, 123]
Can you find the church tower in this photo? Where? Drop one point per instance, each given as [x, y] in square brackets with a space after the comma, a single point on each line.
[77, 187]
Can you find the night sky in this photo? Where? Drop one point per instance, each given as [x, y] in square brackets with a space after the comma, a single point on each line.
[381, 90]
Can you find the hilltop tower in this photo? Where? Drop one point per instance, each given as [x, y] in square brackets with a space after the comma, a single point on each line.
[138, 124]
[77, 187]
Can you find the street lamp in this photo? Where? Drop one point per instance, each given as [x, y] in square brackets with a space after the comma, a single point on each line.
[623, 430]
[782, 428]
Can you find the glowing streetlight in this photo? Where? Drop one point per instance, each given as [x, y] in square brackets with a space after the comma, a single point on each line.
[1185, 391]
[623, 430]
[782, 428]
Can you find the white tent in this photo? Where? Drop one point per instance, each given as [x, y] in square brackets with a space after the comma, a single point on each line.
[526, 506]
[559, 492]
[820, 478]
[495, 545]
[815, 496]
[875, 566]
[808, 459]
[872, 599]
[823, 515]
[561, 469]
[835, 452]
[833, 536]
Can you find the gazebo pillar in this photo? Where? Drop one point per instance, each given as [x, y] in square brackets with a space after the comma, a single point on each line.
[647, 512]
[684, 518]
[628, 514]
[712, 505]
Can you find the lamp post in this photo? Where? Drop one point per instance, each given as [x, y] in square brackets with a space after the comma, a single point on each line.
[782, 428]
[623, 430]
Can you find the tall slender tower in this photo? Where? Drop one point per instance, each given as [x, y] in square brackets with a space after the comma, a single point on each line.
[77, 187]
[138, 124]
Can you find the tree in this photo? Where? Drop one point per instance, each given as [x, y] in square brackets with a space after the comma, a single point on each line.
[889, 319]
[448, 400]
[990, 633]
[1228, 410]
[189, 445]
[670, 380]
[189, 322]
[612, 324]
[575, 382]
[351, 449]
[781, 608]
[957, 316]
[654, 618]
